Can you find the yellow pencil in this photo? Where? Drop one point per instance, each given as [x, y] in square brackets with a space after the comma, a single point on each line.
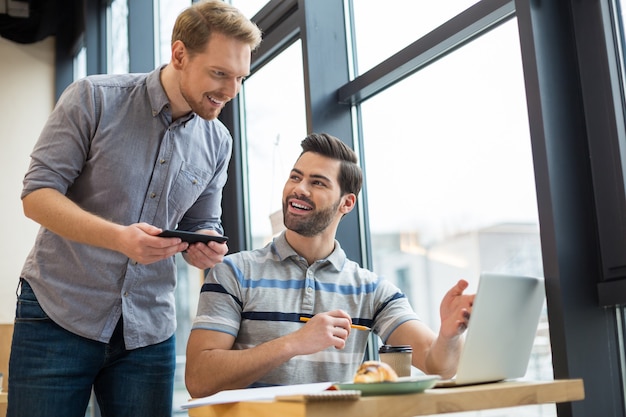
[354, 326]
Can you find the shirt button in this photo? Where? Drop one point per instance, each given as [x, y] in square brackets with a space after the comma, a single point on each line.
[126, 294]
[162, 161]
[152, 195]
[309, 289]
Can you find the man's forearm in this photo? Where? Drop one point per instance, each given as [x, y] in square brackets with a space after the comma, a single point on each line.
[59, 214]
[443, 357]
[214, 370]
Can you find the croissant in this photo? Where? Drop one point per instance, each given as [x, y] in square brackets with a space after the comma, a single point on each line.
[374, 371]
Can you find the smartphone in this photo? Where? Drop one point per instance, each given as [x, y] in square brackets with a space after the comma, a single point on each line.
[193, 237]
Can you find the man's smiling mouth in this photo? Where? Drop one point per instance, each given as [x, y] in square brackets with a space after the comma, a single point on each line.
[300, 206]
[215, 101]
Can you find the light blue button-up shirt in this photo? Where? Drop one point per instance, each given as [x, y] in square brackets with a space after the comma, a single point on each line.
[111, 146]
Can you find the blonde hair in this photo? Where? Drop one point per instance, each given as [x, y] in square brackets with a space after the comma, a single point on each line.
[195, 25]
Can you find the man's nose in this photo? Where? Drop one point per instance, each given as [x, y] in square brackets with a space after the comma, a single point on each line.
[231, 87]
[301, 188]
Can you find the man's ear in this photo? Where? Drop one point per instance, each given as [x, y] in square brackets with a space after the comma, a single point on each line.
[349, 201]
[178, 52]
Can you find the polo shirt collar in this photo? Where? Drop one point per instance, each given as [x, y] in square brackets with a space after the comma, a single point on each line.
[281, 247]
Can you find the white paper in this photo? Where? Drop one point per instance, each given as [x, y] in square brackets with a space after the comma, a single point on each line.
[256, 394]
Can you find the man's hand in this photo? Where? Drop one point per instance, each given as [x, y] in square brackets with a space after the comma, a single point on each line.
[206, 255]
[140, 243]
[322, 331]
[455, 310]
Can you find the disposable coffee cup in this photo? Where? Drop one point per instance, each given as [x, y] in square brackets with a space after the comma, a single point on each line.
[398, 357]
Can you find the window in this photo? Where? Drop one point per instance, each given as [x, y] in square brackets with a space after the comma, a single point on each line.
[248, 7]
[394, 24]
[619, 17]
[189, 281]
[167, 11]
[450, 178]
[118, 57]
[80, 64]
[275, 123]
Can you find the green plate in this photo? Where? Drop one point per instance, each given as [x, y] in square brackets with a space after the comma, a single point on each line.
[404, 385]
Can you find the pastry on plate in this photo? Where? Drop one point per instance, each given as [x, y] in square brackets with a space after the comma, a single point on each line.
[375, 371]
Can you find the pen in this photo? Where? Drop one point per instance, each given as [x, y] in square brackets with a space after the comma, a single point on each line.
[354, 326]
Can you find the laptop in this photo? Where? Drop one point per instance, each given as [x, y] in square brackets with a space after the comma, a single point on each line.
[501, 329]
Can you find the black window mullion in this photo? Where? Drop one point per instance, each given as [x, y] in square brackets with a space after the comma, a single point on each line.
[582, 334]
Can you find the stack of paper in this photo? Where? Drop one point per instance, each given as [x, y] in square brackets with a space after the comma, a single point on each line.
[258, 394]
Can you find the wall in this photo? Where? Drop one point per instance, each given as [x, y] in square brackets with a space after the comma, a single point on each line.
[26, 100]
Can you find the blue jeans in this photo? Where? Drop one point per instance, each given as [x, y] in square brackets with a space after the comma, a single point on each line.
[52, 371]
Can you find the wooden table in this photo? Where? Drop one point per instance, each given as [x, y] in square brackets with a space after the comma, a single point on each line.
[432, 401]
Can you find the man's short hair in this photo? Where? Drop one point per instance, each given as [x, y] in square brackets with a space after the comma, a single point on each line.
[195, 25]
[350, 175]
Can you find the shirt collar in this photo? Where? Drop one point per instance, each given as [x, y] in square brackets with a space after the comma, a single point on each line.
[281, 247]
[156, 93]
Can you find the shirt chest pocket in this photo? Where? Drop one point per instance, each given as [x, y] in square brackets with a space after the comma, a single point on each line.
[190, 182]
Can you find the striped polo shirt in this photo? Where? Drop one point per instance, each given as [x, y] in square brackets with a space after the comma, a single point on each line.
[260, 295]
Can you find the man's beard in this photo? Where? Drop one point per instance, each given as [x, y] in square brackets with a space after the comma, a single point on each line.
[203, 112]
[311, 225]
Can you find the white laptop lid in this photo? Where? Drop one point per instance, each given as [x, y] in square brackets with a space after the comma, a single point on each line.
[501, 329]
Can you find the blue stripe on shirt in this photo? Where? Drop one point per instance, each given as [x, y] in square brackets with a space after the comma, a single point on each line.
[297, 284]
[346, 289]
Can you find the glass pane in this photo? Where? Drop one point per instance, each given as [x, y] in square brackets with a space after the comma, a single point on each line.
[118, 59]
[401, 23]
[275, 124]
[249, 7]
[80, 64]
[189, 280]
[450, 178]
[168, 12]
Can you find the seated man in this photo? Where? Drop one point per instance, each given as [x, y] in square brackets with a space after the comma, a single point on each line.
[248, 330]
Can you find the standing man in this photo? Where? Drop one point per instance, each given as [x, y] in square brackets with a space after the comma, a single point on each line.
[121, 158]
[248, 330]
